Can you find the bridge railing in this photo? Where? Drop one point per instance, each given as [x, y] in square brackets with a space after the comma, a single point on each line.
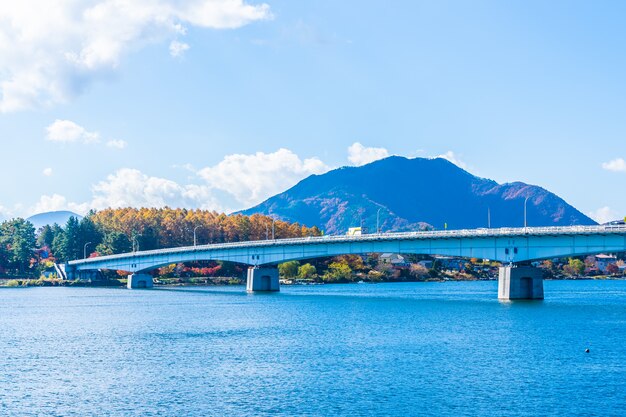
[429, 234]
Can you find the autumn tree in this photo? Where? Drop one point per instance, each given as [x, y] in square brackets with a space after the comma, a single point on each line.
[574, 267]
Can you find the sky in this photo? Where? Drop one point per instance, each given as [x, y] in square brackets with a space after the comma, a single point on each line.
[220, 104]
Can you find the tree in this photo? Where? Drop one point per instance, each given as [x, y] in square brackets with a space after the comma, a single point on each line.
[307, 271]
[17, 236]
[289, 269]
[89, 234]
[113, 243]
[419, 271]
[612, 269]
[68, 246]
[338, 271]
[45, 237]
[574, 267]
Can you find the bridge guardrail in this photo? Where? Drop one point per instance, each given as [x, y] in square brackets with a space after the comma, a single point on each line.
[431, 234]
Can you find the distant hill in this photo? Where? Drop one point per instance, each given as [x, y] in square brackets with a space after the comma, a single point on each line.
[412, 194]
[52, 217]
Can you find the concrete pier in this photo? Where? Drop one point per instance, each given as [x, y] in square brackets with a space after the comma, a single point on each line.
[520, 283]
[139, 281]
[262, 279]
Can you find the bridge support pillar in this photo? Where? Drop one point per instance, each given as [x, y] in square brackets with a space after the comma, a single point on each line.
[520, 283]
[262, 279]
[139, 281]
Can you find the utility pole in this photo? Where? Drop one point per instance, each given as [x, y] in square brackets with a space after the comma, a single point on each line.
[85, 250]
[377, 221]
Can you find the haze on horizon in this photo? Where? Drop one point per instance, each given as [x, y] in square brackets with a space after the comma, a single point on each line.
[220, 104]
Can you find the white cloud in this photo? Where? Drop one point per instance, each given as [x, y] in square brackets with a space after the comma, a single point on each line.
[132, 188]
[47, 172]
[450, 156]
[253, 178]
[616, 165]
[117, 143]
[178, 49]
[246, 179]
[66, 131]
[57, 202]
[51, 50]
[604, 215]
[360, 155]
[4, 213]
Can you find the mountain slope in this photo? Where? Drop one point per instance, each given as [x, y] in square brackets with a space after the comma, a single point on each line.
[411, 193]
[51, 217]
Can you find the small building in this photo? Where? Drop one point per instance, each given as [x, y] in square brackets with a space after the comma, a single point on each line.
[394, 259]
[448, 262]
[427, 263]
[603, 262]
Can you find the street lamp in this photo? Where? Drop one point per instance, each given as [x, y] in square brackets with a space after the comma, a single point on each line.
[377, 221]
[525, 212]
[273, 228]
[136, 242]
[85, 250]
[194, 234]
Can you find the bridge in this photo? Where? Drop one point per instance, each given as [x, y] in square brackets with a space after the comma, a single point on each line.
[514, 247]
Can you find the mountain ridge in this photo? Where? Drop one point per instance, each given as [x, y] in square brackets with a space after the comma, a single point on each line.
[415, 194]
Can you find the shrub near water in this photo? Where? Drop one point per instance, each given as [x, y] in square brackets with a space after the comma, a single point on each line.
[13, 283]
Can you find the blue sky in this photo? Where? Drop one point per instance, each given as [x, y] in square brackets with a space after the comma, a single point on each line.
[220, 104]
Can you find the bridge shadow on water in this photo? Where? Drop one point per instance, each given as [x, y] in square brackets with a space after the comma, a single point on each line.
[396, 292]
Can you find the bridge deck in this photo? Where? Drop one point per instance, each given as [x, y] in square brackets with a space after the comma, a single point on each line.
[466, 242]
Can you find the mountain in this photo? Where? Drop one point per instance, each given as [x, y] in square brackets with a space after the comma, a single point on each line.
[412, 194]
[51, 217]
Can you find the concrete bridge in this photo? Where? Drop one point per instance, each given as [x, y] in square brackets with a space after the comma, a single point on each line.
[514, 247]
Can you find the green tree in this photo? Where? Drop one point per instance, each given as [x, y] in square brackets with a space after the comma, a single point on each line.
[69, 246]
[89, 234]
[45, 236]
[113, 243]
[17, 236]
[289, 269]
[58, 245]
[338, 271]
[307, 271]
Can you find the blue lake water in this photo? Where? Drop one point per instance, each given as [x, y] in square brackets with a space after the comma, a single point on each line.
[444, 349]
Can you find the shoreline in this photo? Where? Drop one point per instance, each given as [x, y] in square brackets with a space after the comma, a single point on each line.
[30, 282]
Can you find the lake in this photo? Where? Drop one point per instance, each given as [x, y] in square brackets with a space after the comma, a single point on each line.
[444, 349]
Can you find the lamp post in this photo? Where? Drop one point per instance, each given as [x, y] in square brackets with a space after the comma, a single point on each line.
[273, 228]
[489, 217]
[525, 212]
[377, 221]
[85, 250]
[136, 242]
[194, 234]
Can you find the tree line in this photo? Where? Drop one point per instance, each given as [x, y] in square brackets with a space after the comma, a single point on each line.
[112, 231]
